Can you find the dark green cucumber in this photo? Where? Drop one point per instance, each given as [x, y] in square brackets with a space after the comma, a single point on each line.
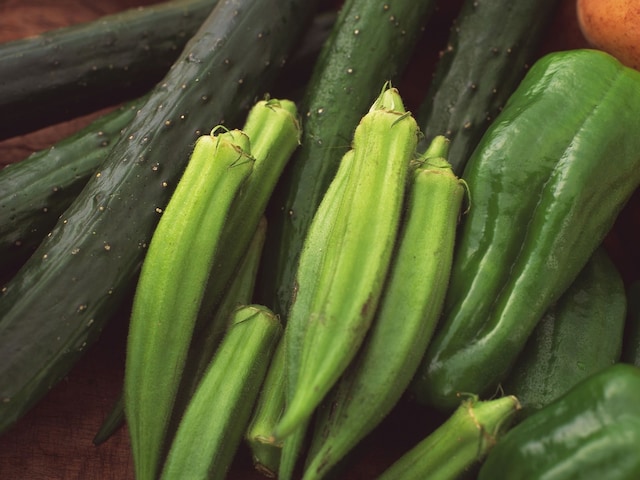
[56, 175]
[371, 43]
[490, 46]
[579, 335]
[36, 190]
[61, 298]
[70, 71]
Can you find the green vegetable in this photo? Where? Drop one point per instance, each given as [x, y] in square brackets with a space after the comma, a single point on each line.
[171, 287]
[274, 130]
[60, 300]
[345, 258]
[578, 336]
[211, 429]
[591, 432]
[460, 442]
[371, 43]
[406, 317]
[265, 449]
[546, 184]
[490, 47]
[205, 341]
[64, 73]
[38, 189]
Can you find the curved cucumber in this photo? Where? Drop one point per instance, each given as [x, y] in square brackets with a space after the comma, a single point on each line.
[70, 71]
[38, 189]
[61, 298]
[490, 47]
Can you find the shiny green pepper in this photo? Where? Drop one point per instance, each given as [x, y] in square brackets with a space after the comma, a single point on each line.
[579, 335]
[546, 183]
[591, 432]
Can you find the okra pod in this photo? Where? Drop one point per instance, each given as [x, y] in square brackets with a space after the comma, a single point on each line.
[171, 287]
[205, 342]
[404, 323]
[274, 130]
[265, 449]
[346, 256]
[216, 418]
[461, 441]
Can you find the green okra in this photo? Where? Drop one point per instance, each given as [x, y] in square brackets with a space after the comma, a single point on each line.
[294, 443]
[205, 342]
[216, 418]
[461, 441]
[345, 258]
[265, 449]
[274, 129]
[171, 287]
[406, 318]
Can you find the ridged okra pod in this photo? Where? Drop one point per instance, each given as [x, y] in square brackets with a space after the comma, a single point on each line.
[216, 418]
[370, 43]
[461, 441]
[274, 130]
[546, 183]
[205, 341]
[409, 309]
[265, 449]
[171, 286]
[346, 256]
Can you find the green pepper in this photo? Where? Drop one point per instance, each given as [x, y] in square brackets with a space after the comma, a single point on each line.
[579, 335]
[546, 183]
[591, 432]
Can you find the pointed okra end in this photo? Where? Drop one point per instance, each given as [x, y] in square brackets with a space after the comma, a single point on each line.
[389, 99]
[438, 148]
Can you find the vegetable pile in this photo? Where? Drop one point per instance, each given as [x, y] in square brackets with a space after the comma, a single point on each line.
[296, 263]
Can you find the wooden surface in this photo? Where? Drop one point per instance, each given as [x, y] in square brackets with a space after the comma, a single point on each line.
[54, 440]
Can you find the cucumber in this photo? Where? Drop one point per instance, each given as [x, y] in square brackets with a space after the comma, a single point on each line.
[370, 44]
[39, 188]
[56, 175]
[490, 47]
[62, 297]
[71, 71]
